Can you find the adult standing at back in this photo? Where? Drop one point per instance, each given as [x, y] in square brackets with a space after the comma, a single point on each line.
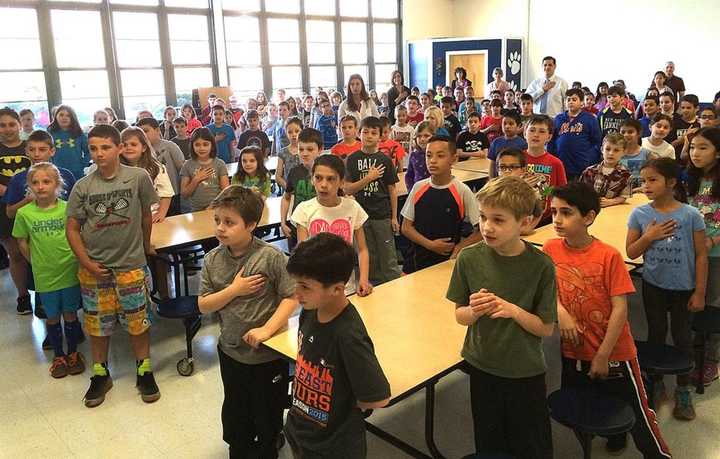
[358, 102]
[548, 92]
[674, 82]
[497, 84]
[396, 94]
[460, 80]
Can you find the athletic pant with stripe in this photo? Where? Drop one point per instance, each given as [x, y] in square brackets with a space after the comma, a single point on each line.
[623, 382]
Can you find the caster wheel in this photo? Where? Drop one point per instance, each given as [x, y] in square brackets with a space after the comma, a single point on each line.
[185, 367]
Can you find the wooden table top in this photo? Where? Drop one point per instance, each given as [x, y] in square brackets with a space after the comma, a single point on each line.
[610, 226]
[411, 324]
[197, 226]
[473, 165]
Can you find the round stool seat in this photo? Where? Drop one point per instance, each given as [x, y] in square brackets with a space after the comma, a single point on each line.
[591, 412]
[707, 320]
[662, 359]
[183, 307]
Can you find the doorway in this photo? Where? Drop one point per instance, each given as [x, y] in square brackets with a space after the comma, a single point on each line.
[474, 62]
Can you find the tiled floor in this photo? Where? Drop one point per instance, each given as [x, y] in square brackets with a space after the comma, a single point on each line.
[41, 417]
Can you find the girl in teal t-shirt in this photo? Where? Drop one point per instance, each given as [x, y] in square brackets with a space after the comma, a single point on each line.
[40, 230]
[251, 172]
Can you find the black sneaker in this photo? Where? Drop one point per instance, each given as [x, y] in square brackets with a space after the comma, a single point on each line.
[39, 310]
[616, 445]
[46, 344]
[24, 307]
[99, 386]
[149, 391]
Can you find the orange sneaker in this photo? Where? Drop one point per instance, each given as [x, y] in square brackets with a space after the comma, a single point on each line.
[75, 363]
[59, 368]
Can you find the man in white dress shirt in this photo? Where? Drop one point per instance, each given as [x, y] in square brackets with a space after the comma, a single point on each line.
[548, 92]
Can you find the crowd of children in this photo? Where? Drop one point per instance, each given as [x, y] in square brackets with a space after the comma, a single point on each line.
[80, 206]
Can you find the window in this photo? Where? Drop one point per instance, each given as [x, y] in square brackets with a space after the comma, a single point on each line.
[190, 54]
[21, 87]
[355, 8]
[282, 6]
[361, 70]
[385, 9]
[324, 77]
[242, 45]
[188, 3]
[78, 46]
[135, 2]
[246, 81]
[284, 45]
[241, 5]
[136, 39]
[320, 7]
[384, 53]
[354, 42]
[86, 91]
[320, 42]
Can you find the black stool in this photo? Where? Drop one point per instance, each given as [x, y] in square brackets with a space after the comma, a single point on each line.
[186, 309]
[661, 359]
[705, 322]
[588, 413]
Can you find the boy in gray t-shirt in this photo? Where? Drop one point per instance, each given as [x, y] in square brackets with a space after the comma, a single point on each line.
[108, 228]
[245, 280]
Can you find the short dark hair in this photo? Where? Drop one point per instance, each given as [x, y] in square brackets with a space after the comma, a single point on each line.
[325, 258]
[333, 162]
[218, 107]
[413, 97]
[473, 115]
[7, 111]
[152, 122]
[496, 91]
[349, 118]
[515, 152]
[632, 123]
[541, 119]
[513, 115]
[180, 120]
[549, 58]
[310, 135]
[447, 100]
[692, 98]
[385, 121]
[105, 131]
[371, 122]
[40, 135]
[580, 195]
[667, 94]
[656, 99]
[615, 90]
[25, 111]
[660, 117]
[575, 92]
[246, 202]
[526, 96]
[120, 125]
[452, 148]
[252, 113]
[496, 103]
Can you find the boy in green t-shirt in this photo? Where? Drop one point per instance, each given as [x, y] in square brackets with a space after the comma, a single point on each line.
[40, 230]
[504, 292]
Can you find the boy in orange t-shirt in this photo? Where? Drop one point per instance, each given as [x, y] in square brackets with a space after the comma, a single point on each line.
[598, 350]
[390, 147]
[350, 143]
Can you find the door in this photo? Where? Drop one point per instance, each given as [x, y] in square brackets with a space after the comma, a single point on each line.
[475, 63]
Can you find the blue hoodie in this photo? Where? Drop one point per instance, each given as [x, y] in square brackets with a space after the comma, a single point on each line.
[71, 152]
[576, 141]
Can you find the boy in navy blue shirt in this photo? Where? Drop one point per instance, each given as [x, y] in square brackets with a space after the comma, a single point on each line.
[326, 123]
[510, 139]
[224, 134]
[576, 136]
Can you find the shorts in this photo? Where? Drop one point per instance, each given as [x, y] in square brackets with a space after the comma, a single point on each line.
[123, 297]
[60, 301]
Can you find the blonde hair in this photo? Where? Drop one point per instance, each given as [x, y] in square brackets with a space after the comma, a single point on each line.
[510, 193]
[51, 170]
[614, 138]
[147, 158]
[436, 114]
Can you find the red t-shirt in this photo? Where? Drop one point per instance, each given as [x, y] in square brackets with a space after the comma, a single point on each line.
[393, 150]
[488, 121]
[586, 280]
[414, 120]
[193, 124]
[551, 173]
[343, 150]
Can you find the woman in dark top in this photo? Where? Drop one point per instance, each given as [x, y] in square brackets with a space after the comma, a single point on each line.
[460, 80]
[396, 94]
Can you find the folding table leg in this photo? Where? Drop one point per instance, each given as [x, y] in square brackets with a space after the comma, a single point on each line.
[430, 420]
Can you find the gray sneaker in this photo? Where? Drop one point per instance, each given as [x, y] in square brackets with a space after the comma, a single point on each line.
[684, 409]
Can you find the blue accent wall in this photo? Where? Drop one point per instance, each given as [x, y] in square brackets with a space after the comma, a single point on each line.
[440, 48]
[513, 62]
[418, 61]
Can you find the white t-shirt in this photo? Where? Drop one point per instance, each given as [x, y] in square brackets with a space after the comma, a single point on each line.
[404, 136]
[163, 187]
[664, 150]
[342, 220]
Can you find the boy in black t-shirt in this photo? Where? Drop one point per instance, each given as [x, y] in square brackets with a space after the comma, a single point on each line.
[254, 136]
[471, 143]
[371, 178]
[337, 374]
[452, 124]
[612, 116]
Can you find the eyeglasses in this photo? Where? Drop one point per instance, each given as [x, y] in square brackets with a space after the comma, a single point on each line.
[510, 168]
[707, 117]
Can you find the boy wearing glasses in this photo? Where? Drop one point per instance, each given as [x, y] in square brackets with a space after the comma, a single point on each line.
[512, 161]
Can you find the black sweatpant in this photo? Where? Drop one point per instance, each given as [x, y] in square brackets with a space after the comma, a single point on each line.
[510, 415]
[624, 382]
[658, 302]
[255, 397]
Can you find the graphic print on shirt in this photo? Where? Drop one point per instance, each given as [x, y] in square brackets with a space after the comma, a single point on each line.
[667, 251]
[363, 166]
[708, 206]
[582, 291]
[312, 389]
[341, 227]
[69, 142]
[570, 128]
[50, 227]
[13, 164]
[111, 207]
[543, 172]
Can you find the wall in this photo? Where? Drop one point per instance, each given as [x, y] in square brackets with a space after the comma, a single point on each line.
[416, 25]
[574, 32]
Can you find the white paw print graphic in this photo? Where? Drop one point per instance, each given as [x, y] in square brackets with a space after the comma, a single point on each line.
[514, 62]
[512, 85]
